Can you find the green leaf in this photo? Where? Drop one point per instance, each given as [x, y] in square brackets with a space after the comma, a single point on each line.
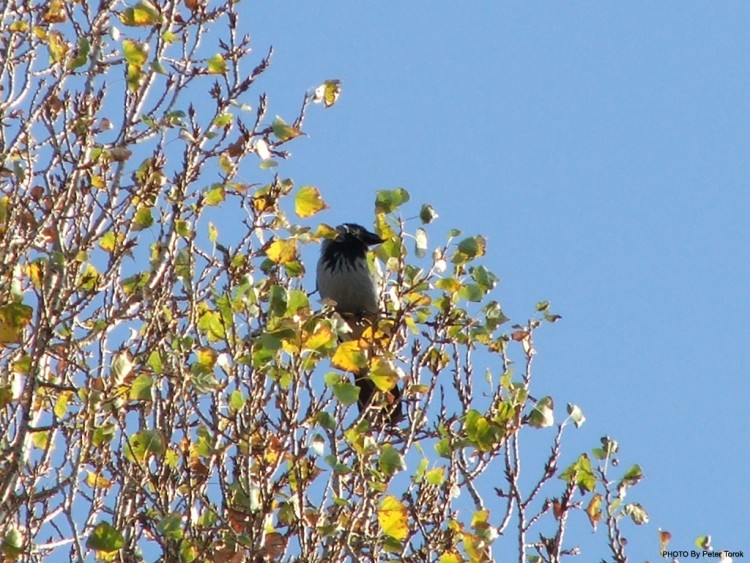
[144, 444]
[443, 448]
[143, 219]
[345, 392]
[215, 195]
[12, 545]
[308, 202]
[105, 538]
[390, 460]
[283, 131]
[140, 389]
[171, 526]
[387, 201]
[236, 400]
[103, 434]
[108, 241]
[223, 120]
[542, 415]
[581, 471]
[217, 64]
[82, 56]
[435, 476]
[427, 214]
[136, 53]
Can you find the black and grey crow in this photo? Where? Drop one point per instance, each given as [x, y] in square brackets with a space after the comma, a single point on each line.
[344, 278]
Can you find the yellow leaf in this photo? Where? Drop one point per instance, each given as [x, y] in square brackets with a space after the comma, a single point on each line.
[94, 481]
[328, 93]
[392, 518]
[13, 318]
[144, 13]
[349, 357]
[217, 65]
[206, 356]
[321, 337]
[384, 374]
[308, 202]
[594, 510]
[282, 251]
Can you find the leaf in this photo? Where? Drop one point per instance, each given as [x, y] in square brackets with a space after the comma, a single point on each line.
[82, 54]
[143, 219]
[140, 389]
[637, 513]
[144, 13]
[387, 201]
[392, 517]
[576, 415]
[217, 64]
[308, 202]
[57, 46]
[427, 214]
[13, 318]
[542, 415]
[435, 476]
[384, 374]
[12, 545]
[144, 444]
[215, 195]
[581, 471]
[390, 460]
[105, 538]
[282, 251]
[420, 242]
[282, 131]
[136, 53]
[349, 357]
[328, 93]
[108, 242]
[594, 510]
[345, 392]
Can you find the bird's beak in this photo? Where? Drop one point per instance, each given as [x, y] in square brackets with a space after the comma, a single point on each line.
[371, 238]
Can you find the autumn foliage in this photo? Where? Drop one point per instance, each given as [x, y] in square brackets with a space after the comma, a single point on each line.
[171, 387]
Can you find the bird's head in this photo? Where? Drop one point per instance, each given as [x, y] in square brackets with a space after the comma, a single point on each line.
[352, 233]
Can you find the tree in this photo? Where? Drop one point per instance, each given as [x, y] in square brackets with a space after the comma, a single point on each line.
[169, 389]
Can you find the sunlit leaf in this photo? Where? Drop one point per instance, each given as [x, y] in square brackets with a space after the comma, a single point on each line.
[387, 201]
[217, 64]
[392, 516]
[140, 388]
[327, 93]
[308, 202]
[282, 251]
[283, 131]
[542, 415]
[349, 357]
[594, 510]
[144, 13]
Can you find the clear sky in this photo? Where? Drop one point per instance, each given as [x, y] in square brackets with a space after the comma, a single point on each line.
[604, 150]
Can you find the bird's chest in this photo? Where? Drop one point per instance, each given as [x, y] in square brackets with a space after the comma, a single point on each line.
[350, 285]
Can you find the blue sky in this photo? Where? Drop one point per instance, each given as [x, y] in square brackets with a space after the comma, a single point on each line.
[604, 150]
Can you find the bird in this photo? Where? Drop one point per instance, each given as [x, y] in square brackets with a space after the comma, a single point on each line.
[344, 278]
